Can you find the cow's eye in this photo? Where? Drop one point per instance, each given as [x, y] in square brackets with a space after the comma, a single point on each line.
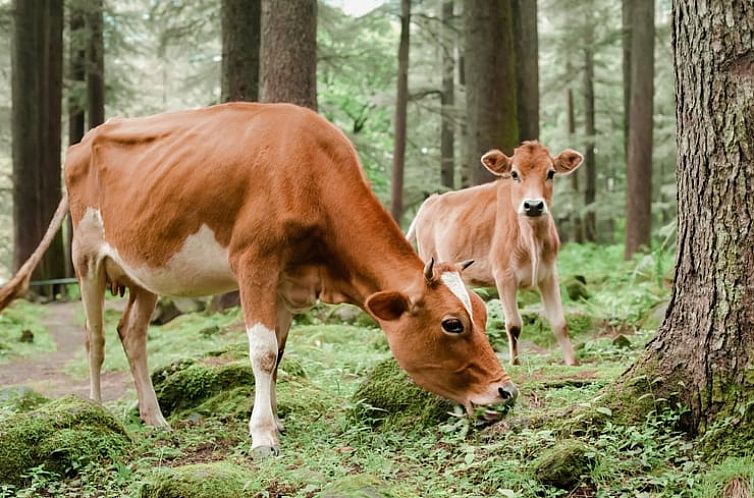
[452, 326]
[550, 174]
[514, 175]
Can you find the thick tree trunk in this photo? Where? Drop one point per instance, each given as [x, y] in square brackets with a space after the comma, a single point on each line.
[639, 172]
[447, 126]
[76, 74]
[703, 354]
[626, 19]
[527, 67]
[590, 167]
[490, 82]
[37, 62]
[95, 66]
[241, 37]
[401, 105]
[289, 52]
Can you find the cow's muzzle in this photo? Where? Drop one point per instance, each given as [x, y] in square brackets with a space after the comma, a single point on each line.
[534, 207]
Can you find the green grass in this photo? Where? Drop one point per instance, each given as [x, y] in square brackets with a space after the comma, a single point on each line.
[19, 316]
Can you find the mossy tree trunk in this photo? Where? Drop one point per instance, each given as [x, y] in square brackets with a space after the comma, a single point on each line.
[703, 354]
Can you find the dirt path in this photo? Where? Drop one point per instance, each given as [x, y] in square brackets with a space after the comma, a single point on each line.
[44, 372]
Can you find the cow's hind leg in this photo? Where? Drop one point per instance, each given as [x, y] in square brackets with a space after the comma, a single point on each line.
[284, 319]
[550, 290]
[132, 331]
[507, 288]
[92, 285]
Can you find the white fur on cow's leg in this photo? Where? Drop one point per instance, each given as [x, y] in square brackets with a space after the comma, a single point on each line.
[93, 296]
[132, 331]
[550, 290]
[263, 350]
[507, 288]
[284, 319]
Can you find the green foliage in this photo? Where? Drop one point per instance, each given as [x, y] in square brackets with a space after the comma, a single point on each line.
[213, 480]
[563, 465]
[733, 477]
[22, 316]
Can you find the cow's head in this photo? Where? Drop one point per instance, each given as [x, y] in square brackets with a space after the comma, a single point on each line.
[437, 334]
[531, 171]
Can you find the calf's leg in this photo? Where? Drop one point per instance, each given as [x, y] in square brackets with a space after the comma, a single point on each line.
[506, 288]
[550, 290]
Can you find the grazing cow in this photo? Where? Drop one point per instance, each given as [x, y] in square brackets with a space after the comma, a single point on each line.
[507, 229]
[269, 199]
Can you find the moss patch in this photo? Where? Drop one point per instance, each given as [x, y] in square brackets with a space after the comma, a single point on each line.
[389, 396]
[19, 400]
[213, 480]
[61, 435]
[563, 465]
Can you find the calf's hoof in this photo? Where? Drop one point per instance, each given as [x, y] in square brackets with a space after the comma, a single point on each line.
[262, 452]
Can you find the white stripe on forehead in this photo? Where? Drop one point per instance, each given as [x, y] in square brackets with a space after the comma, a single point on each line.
[455, 283]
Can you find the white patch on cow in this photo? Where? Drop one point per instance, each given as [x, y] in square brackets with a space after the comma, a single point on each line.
[263, 350]
[455, 283]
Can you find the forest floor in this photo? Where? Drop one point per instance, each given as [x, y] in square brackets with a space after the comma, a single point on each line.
[330, 448]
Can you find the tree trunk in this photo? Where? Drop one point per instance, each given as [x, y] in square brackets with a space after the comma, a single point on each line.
[639, 172]
[289, 52]
[527, 68]
[490, 82]
[95, 66]
[626, 19]
[447, 126]
[37, 63]
[241, 37]
[578, 229]
[703, 353]
[590, 167]
[401, 104]
[467, 169]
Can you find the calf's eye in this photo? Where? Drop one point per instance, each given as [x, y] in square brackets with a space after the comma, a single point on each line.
[514, 175]
[452, 326]
[550, 174]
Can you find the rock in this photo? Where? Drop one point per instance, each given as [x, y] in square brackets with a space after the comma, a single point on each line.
[563, 465]
[62, 435]
[222, 302]
[654, 319]
[389, 395]
[210, 331]
[168, 309]
[576, 288]
[26, 336]
[206, 480]
[621, 341]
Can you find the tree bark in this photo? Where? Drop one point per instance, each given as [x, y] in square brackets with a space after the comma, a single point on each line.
[95, 65]
[289, 52]
[401, 107]
[490, 82]
[76, 74]
[626, 19]
[37, 66]
[639, 172]
[590, 167]
[241, 38]
[527, 68]
[447, 100]
[578, 229]
[703, 353]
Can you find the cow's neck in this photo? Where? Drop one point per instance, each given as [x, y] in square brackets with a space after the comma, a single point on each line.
[370, 254]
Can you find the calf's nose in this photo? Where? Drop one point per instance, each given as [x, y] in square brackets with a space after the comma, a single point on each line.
[509, 392]
[534, 207]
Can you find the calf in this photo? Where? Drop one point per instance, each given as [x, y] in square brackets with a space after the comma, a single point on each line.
[507, 229]
[269, 199]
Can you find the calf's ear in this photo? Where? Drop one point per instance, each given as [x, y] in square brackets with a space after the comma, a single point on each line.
[497, 163]
[387, 305]
[567, 161]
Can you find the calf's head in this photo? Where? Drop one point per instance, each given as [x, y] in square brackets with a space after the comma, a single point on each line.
[437, 334]
[531, 171]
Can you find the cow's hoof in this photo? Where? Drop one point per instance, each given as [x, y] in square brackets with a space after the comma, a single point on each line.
[262, 452]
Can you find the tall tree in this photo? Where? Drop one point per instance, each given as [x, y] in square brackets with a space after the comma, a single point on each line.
[289, 52]
[95, 64]
[626, 19]
[76, 72]
[590, 166]
[241, 37]
[578, 228]
[401, 106]
[527, 67]
[37, 67]
[702, 356]
[639, 173]
[447, 99]
[491, 109]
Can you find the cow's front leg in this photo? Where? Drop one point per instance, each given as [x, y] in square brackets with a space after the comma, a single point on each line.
[507, 288]
[258, 286]
[550, 290]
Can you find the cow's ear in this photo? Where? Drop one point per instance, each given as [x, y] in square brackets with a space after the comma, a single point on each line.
[387, 305]
[497, 163]
[567, 161]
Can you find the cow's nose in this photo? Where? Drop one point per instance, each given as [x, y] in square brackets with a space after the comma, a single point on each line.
[509, 392]
[534, 207]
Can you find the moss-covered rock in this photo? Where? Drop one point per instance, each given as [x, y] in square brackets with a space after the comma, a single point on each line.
[211, 480]
[388, 395]
[563, 465]
[61, 435]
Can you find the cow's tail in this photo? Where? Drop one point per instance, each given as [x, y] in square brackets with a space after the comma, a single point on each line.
[19, 284]
[411, 234]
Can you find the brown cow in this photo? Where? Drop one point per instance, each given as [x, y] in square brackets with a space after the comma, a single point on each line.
[507, 229]
[270, 199]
